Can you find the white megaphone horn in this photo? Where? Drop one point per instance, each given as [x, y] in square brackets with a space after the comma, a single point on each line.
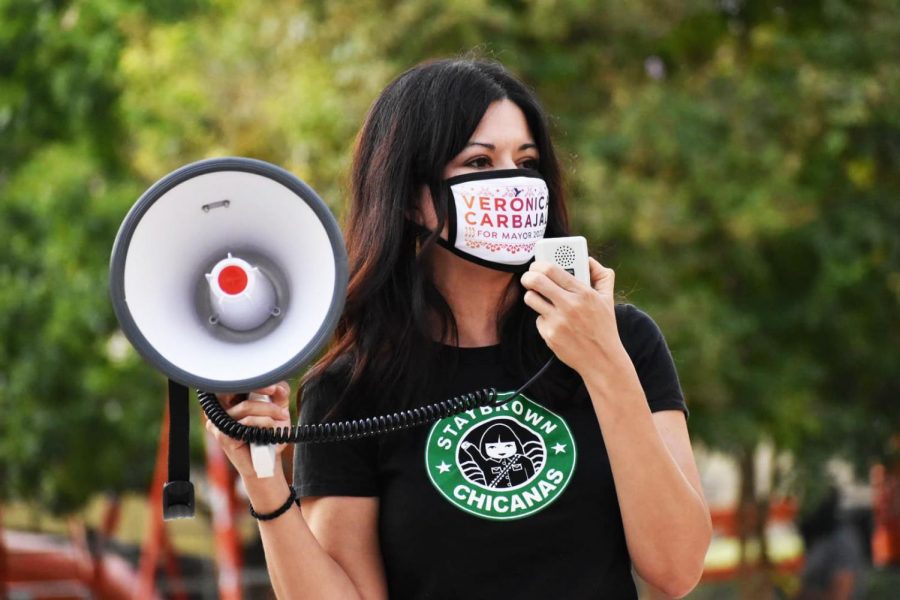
[227, 275]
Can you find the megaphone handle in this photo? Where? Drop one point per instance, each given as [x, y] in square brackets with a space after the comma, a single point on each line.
[263, 455]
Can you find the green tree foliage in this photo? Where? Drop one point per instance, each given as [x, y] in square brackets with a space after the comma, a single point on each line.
[736, 162]
[751, 191]
[78, 411]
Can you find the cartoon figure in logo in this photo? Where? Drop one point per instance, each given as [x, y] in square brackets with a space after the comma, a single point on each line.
[499, 460]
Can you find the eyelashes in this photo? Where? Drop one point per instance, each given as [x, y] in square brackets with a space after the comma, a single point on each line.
[479, 162]
[482, 162]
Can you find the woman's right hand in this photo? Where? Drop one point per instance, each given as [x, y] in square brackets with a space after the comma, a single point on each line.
[255, 413]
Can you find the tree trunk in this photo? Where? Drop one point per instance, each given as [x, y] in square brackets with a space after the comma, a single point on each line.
[746, 511]
[752, 585]
[108, 525]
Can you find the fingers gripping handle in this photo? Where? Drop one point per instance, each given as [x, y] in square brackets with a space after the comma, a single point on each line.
[263, 455]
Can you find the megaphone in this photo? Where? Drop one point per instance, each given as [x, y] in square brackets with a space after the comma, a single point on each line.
[227, 274]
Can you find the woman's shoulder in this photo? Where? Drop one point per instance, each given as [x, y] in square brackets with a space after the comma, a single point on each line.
[640, 334]
[644, 342]
[635, 326]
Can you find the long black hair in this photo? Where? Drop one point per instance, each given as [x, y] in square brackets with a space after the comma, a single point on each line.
[419, 123]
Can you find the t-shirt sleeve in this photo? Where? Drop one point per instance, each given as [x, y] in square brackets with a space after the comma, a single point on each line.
[646, 346]
[345, 468]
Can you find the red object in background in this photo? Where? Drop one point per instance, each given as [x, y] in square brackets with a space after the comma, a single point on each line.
[224, 506]
[41, 566]
[886, 511]
[37, 565]
[725, 524]
[156, 540]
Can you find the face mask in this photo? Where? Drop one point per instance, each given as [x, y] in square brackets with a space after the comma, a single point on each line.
[496, 217]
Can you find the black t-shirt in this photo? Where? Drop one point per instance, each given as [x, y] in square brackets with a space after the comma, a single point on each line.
[515, 502]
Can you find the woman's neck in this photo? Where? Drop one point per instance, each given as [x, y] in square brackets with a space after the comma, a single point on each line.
[476, 296]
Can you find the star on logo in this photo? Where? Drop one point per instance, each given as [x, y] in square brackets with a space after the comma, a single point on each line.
[559, 448]
[443, 467]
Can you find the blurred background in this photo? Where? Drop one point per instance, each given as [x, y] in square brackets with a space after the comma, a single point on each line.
[737, 163]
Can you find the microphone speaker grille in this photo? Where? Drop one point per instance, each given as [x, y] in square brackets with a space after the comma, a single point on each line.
[564, 256]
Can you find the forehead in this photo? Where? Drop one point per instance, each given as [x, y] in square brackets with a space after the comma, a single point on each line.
[503, 122]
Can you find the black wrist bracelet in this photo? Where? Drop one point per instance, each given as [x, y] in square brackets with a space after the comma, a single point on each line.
[292, 499]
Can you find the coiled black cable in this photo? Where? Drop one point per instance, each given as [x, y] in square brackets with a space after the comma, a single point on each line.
[355, 428]
[342, 430]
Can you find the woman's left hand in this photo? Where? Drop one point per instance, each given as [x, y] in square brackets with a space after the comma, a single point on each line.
[577, 321]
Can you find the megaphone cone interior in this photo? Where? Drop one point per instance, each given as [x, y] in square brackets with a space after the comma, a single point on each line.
[228, 274]
[241, 296]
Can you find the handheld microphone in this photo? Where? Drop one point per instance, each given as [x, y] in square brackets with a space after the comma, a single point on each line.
[570, 253]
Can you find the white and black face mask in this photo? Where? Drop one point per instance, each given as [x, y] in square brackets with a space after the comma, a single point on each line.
[496, 217]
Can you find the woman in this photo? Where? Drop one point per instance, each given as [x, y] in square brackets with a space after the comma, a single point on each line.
[452, 175]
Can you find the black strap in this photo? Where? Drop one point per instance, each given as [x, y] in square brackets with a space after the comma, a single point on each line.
[178, 493]
[179, 430]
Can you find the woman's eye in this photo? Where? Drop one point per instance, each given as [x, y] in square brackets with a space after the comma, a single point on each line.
[479, 162]
[529, 163]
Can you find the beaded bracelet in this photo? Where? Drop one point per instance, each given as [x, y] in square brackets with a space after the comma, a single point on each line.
[292, 499]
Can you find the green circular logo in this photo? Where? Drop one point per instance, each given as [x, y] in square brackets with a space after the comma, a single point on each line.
[504, 462]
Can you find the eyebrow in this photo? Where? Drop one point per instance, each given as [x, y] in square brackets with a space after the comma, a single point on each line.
[493, 147]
